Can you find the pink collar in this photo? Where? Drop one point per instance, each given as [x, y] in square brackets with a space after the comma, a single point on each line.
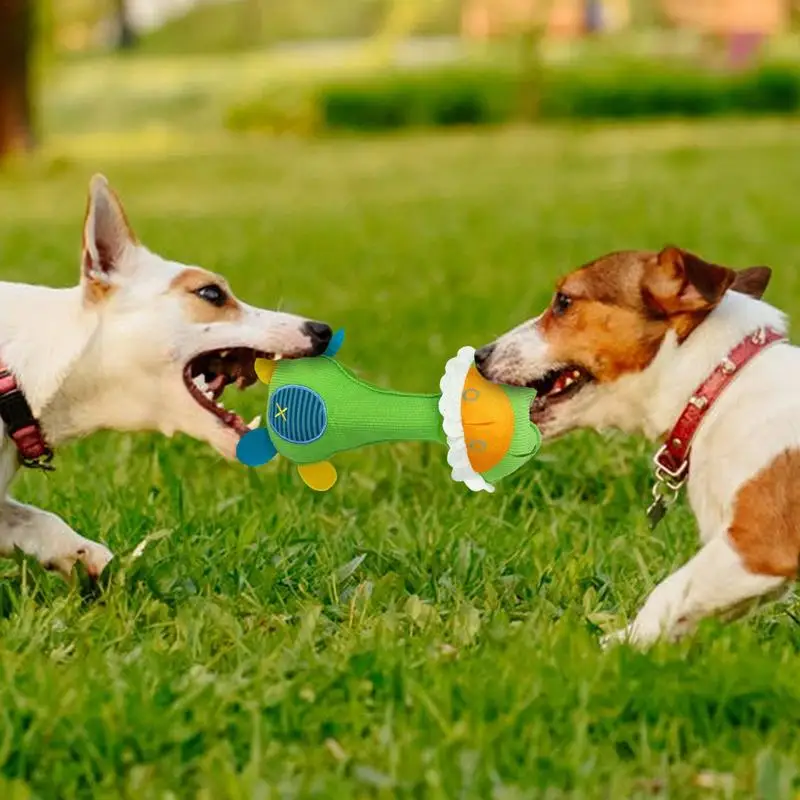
[21, 426]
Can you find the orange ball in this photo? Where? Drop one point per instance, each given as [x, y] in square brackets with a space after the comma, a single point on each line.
[488, 419]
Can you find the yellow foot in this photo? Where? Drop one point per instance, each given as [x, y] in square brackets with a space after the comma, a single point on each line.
[319, 477]
[264, 369]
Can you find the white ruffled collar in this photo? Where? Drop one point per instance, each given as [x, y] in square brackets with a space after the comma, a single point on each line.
[452, 387]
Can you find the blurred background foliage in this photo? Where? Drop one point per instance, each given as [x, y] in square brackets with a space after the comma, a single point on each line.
[233, 25]
[310, 67]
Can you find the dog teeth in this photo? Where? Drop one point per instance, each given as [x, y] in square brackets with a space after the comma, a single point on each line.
[277, 357]
[200, 383]
[224, 353]
[256, 421]
[576, 374]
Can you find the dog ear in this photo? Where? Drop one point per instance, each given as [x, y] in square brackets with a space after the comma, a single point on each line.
[106, 234]
[752, 281]
[677, 282]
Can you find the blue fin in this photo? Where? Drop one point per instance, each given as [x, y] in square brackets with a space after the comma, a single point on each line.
[255, 448]
[335, 344]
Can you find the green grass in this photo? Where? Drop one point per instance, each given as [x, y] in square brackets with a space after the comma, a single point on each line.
[397, 636]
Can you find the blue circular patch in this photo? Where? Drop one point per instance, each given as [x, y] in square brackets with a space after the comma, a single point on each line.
[297, 414]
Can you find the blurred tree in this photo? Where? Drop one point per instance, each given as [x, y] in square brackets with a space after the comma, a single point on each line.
[125, 32]
[16, 45]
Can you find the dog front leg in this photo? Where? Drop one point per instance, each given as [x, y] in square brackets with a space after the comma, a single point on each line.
[48, 539]
[714, 582]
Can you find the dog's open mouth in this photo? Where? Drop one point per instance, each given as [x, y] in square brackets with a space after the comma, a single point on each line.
[558, 385]
[207, 375]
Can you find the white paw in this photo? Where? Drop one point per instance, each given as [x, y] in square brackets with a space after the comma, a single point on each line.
[93, 555]
[641, 634]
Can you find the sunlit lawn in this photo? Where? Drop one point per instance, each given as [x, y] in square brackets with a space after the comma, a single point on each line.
[396, 637]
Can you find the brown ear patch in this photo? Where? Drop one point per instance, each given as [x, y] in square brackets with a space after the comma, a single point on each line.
[752, 281]
[95, 291]
[679, 282]
[710, 280]
[187, 283]
[766, 521]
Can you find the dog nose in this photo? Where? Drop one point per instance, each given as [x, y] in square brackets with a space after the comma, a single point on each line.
[482, 356]
[319, 333]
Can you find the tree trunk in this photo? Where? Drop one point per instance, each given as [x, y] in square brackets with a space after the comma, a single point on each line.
[16, 39]
[126, 36]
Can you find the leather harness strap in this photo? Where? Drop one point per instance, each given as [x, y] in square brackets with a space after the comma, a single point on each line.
[20, 424]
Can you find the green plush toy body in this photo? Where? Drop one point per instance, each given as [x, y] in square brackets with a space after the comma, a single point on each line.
[317, 408]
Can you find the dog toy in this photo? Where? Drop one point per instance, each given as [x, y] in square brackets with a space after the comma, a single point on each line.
[316, 408]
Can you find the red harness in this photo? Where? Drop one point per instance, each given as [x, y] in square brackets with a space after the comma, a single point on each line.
[672, 459]
[20, 424]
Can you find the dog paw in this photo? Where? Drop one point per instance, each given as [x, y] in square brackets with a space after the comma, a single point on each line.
[92, 555]
[638, 636]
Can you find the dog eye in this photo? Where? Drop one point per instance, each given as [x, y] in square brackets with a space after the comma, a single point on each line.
[212, 294]
[561, 303]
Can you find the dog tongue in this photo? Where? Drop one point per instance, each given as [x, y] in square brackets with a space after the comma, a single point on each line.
[559, 385]
[217, 385]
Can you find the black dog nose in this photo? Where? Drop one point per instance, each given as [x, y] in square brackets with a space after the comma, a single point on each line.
[319, 333]
[483, 355]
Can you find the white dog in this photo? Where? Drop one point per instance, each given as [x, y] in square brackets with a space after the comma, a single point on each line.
[683, 351]
[140, 344]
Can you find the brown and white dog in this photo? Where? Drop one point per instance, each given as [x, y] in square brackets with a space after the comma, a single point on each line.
[624, 344]
[140, 344]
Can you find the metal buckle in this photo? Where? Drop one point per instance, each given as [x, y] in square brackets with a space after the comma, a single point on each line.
[41, 462]
[666, 488]
[665, 474]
